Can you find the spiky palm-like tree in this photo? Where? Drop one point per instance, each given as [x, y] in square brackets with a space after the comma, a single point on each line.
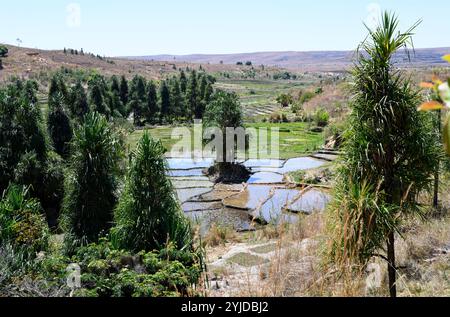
[390, 151]
[91, 181]
[148, 214]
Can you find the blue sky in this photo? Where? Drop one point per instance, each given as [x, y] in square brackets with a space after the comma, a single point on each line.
[138, 27]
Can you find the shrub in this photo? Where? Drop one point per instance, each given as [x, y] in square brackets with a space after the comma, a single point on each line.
[285, 100]
[148, 214]
[321, 117]
[22, 224]
[3, 51]
[108, 272]
[306, 96]
[278, 118]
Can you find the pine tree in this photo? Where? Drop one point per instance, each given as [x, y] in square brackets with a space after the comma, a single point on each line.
[152, 103]
[192, 95]
[115, 86]
[98, 94]
[176, 99]
[59, 125]
[79, 106]
[124, 91]
[164, 96]
[138, 99]
[58, 86]
[183, 82]
[97, 98]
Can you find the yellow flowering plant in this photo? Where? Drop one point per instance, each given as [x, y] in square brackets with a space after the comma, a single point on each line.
[441, 101]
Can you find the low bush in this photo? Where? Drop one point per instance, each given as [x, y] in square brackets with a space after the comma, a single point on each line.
[22, 224]
[321, 117]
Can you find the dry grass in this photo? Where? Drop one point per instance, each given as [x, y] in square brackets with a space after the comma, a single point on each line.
[218, 235]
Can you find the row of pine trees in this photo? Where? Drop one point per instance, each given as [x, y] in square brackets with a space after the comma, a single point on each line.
[177, 99]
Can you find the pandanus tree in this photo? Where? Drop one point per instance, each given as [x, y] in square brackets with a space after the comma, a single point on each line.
[391, 152]
[148, 215]
[91, 181]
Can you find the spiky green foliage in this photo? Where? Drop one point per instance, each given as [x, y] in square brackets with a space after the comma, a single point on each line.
[389, 149]
[22, 224]
[148, 214]
[91, 181]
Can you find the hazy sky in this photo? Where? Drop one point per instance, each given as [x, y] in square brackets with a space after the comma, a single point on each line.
[138, 27]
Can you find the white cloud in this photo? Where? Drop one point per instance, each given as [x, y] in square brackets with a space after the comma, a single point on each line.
[73, 19]
[374, 14]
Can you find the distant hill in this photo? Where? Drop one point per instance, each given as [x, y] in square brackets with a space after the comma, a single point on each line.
[29, 62]
[305, 61]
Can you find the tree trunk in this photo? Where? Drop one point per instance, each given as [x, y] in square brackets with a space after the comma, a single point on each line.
[436, 175]
[436, 189]
[391, 265]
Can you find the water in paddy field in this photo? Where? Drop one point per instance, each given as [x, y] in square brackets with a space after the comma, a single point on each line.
[292, 165]
[265, 197]
[266, 178]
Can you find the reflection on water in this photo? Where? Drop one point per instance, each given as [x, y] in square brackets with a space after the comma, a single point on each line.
[185, 173]
[292, 165]
[266, 178]
[187, 194]
[312, 201]
[251, 198]
[271, 211]
[185, 164]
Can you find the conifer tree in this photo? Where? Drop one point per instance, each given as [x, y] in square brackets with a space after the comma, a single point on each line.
[152, 103]
[124, 91]
[59, 125]
[164, 96]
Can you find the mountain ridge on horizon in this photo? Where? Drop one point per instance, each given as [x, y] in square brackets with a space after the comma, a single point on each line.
[307, 60]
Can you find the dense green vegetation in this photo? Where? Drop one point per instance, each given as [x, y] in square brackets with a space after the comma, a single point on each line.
[81, 145]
